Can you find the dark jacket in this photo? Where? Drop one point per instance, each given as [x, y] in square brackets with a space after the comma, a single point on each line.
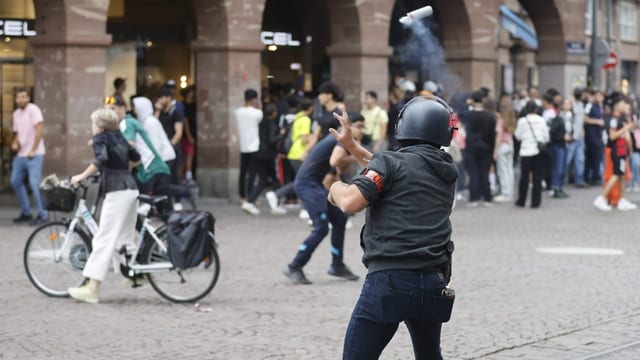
[407, 221]
[269, 138]
[112, 155]
[480, 127]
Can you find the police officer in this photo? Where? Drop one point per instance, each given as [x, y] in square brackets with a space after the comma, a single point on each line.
[407, 234]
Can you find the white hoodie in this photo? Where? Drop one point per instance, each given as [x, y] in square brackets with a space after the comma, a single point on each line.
[144, 110]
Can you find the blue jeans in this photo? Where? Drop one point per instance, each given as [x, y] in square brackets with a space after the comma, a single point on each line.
[393, 296]
[23, 166]
[559, 166]
[635, 168]
[575, 154]
[314, 199]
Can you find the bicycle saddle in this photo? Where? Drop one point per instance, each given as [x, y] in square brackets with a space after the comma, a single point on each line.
[152, 199]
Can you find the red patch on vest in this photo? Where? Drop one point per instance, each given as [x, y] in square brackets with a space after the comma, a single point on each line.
[376, 178]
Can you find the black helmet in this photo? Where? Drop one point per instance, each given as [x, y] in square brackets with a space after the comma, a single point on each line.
[428, 119]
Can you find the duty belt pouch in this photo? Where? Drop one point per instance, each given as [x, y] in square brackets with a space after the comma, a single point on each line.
[443, 306]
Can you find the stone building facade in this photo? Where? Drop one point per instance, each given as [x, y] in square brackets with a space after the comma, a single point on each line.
[70, 48]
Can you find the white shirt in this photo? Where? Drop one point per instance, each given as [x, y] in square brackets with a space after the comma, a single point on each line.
[159, 138]
[529, 140]
[248, 126]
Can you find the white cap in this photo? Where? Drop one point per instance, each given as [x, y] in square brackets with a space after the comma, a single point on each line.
[430, 86]
[408, 85]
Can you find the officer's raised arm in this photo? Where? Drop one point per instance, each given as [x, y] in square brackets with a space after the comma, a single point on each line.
[345, 138]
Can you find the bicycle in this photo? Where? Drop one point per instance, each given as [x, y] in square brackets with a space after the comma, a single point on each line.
[55, 253]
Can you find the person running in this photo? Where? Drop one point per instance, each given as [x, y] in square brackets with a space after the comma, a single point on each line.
[310, 189]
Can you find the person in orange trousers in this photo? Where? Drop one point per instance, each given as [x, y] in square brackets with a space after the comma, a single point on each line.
[614, 196]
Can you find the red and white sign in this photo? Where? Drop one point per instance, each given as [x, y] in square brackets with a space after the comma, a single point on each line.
[612, 61]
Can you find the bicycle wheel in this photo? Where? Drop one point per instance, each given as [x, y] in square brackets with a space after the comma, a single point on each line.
[51, 268]
[181, 286]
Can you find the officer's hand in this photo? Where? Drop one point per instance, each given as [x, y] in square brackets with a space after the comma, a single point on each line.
[344, 136]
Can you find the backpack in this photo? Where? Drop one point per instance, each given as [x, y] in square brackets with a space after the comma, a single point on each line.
[286, 123]
[557, 130]
[190, 237]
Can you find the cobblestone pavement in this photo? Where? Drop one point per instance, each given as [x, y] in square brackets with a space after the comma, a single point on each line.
[512, 301]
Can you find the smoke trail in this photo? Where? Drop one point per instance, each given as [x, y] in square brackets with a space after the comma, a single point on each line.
[423, 49]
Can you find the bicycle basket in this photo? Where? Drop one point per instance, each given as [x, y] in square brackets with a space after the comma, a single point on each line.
[57, 196]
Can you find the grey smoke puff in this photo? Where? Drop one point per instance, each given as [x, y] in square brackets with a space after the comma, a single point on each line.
[423, 49]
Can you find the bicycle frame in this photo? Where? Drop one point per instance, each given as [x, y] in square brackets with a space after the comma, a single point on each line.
[81, 213]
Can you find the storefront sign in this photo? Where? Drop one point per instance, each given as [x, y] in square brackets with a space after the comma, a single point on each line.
[278, 38]
[17, 28]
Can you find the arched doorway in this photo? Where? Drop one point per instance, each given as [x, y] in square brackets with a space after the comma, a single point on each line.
[441, 54]
[148, 50]
[295, 35]
[16, 71]
[555, 66]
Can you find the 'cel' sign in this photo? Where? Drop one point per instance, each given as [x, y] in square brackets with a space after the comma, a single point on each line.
[16, 28]
[278, 38]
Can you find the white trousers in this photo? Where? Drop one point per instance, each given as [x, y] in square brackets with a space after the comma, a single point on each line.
[117, 227]
[504, 166]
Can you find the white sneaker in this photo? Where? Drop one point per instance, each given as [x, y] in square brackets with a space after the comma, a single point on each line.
[272, 200]
[250, 208]
[303, 215]
[349, 224]
[501, 199]
[279, 210]
[487, 204]
[473, 204]
[84, 293]
[626, 205]
[601, 203]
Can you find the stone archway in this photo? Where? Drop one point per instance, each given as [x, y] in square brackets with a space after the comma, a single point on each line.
[359, 50]
[69, 59]
[451, 27]
[227, 56]
[555, 25]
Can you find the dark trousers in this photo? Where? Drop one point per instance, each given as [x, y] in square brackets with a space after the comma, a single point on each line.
[388, 298]
[314, 199]
[266, 176]
[534, 166]
[593, 161]
[287, 189]
[248, 169]
[477, 164]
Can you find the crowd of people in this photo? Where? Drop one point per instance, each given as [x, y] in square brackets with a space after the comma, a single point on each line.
[587, 139]
[163, 131]
[502, 148]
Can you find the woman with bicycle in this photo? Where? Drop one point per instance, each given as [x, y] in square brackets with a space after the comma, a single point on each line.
[113, 157]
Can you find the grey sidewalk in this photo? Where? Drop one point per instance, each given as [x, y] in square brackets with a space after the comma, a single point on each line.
[512, 300]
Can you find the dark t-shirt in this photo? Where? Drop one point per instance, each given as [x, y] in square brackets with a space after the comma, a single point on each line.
[594, 132]
[169, 119]
[326, 121]
[190, 113]
[618, 146]
[481, 130]
[316, 165]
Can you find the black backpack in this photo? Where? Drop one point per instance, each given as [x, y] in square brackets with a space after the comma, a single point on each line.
[287, 141]
[190, 237]
[557, 130]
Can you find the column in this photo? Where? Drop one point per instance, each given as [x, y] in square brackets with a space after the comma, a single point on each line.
[222, 75]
